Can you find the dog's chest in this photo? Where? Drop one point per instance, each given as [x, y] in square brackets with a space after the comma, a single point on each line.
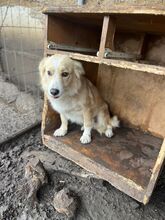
[70, 108]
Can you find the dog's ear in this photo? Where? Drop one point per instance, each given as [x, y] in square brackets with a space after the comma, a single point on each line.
[78, 69]
[42, 66]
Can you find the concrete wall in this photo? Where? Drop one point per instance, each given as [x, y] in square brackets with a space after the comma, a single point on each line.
[21, 44]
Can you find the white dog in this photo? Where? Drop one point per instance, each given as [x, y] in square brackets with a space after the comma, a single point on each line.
[74, 97]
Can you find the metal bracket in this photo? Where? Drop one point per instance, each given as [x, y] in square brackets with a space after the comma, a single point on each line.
[108, 53]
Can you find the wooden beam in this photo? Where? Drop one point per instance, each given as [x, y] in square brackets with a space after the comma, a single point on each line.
[155, 173]
[158, 70]
[45, 35]
[107, 35]
[113, 9]
[103, 36]
[120, 182]
[110, 34]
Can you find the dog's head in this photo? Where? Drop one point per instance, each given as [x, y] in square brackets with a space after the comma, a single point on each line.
[60, 74]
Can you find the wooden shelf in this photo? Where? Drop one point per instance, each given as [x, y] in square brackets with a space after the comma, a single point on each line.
[115, 8]
[126, 160]
[76, 56]
[158, 70]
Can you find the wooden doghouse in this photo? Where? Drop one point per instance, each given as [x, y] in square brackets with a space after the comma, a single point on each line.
[131, 161]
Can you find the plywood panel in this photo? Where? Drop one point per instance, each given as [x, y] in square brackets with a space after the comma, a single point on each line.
[126, 160]
[137, 98]
[63, 31]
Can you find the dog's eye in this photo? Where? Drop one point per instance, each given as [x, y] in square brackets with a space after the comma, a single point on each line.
[49, 73]
[65, 74]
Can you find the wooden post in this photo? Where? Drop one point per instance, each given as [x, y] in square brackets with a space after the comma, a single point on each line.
[155, 173]
[45, 35]
[107, 35]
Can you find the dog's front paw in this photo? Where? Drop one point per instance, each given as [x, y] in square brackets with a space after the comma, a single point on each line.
[60, 132]
[85, 139]
[82, 128]
[109, 133]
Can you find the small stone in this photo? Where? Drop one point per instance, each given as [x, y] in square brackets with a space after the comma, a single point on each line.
[65, 203]
[134, 205]
[25, 102]
[3, 208]
[8, 163]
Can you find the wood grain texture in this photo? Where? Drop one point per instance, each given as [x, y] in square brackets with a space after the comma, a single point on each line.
[155, 173]
[158, 70]
[125, 161]
[155, 9]
[103, 36]
[69, 32]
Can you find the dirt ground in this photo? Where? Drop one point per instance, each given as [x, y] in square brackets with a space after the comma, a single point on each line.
[98, 200]
[16, 114]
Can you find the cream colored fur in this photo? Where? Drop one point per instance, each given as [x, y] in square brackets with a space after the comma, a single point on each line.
[78, 100]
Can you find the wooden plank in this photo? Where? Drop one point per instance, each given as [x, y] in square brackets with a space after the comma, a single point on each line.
[129, 153]
[121, 160]
[124, 185]
[107, 35]
[76, 56]
[50, 119]
[155, 173]
[45, 34]
[104, 36]
[91, 71]
[158, 70]
[113, 9]
[107, 38]
[95, 20]
[110, 34]
[140, 23]
[66, 32]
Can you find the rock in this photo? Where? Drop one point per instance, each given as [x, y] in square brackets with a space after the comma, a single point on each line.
[8, 91]
[25, 102]
[3, 208]
[36, 176]
[65, 203]
[134, 204]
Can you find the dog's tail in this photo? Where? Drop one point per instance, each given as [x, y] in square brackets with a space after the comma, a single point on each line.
[115, 123]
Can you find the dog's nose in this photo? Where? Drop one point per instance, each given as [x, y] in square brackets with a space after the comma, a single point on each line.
[54, 92]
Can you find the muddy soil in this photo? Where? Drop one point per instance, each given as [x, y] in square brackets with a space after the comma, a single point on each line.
[98, 200]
